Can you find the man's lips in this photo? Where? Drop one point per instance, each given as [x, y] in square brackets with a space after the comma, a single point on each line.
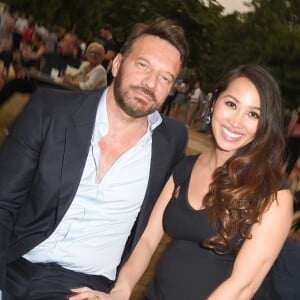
[144, 93]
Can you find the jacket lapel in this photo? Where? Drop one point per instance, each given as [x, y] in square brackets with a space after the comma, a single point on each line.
[158, 171]
[77, 143]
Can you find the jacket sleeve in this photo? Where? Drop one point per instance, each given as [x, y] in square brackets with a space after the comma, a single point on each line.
[18, 160]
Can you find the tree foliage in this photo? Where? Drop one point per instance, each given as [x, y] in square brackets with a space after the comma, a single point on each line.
[268, 34]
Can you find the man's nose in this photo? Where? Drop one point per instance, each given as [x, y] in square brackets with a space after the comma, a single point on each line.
[150, 80]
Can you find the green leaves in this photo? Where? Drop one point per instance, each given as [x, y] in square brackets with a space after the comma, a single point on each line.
[268, 34]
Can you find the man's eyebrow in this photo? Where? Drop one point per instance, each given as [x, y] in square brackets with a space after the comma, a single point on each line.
[148, 61]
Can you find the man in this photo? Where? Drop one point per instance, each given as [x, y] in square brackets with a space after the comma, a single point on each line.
[165, 109]
[81, 171]
[110, 47]
[65, 54]
[58, 60]
[202, 116]
[194, 100]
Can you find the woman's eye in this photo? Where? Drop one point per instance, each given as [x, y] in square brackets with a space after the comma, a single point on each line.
[230, 104]
[254, 115]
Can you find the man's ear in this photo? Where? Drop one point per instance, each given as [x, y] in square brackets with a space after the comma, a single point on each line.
[116, 64]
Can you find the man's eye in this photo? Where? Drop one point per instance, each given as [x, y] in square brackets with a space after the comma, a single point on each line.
[142, 65]
[166, 79]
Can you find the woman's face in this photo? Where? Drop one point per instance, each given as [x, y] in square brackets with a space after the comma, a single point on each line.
[235, 115]
[94, 55]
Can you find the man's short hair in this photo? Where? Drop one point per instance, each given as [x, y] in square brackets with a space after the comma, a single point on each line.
[165, 29]
[107, 27]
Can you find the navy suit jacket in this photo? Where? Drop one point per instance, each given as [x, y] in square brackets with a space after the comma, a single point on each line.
[42, 162]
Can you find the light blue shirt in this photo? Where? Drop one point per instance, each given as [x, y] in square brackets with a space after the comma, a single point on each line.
[92, 234]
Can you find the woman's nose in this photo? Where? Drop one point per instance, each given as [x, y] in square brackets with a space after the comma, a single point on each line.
[237, 119]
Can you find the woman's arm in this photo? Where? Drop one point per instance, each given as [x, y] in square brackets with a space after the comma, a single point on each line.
[97, 78]
[258, 254]
[137, 263]
[69, 80]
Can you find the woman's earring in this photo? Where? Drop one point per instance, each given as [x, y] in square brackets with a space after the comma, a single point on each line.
[207, 120]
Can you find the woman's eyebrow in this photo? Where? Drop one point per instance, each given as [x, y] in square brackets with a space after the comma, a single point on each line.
[238, 101]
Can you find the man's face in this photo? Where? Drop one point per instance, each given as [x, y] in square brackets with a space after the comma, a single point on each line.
[144, 77]
[67, 45]
[103, 33]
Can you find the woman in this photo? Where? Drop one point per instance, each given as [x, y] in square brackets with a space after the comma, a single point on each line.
[91, 74]
[29, 55]
[227, 210]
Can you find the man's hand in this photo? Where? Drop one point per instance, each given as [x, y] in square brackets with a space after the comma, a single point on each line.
[86, 293]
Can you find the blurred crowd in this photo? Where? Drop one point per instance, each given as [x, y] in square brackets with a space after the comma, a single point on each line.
[27, 45]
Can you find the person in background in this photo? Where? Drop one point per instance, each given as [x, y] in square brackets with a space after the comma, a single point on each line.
[82, 46]
[202, 122]
[228, 211]
[180, 98]
[195, 97]
[26, 37]
[52, 40]
[91, 74]
[293, 141]
[64, 55]
[29, 55]
[21, 26]
[57, 60]
[285, 272]
[43, 31]
[4, 14]
[110, 46]
[166, 108]
[6, 46]
[81, 170]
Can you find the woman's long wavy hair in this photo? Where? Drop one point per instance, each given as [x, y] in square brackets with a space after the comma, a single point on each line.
[246, 185]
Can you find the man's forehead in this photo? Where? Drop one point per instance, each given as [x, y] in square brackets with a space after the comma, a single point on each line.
[69, 39]
[153, 40]
[148, 44]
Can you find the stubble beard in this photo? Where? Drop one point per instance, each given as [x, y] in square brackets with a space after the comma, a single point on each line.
[136, 107]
